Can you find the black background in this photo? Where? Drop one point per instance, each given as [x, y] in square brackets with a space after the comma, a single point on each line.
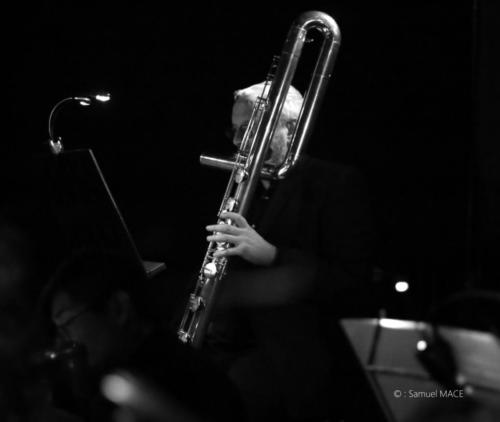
[401, 106]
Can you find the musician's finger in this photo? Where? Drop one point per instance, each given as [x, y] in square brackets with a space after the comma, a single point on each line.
[237, 218]
[223, 228]
[222, 237]
[237, 250]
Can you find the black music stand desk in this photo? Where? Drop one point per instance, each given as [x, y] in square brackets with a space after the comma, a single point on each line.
[387, 351]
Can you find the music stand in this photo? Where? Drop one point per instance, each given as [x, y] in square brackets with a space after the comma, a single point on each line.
[86, 210]
[387, 351]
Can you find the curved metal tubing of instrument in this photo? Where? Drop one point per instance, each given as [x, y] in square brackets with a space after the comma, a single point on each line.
[290, 56]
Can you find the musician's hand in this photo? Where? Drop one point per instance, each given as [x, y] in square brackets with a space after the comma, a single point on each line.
[246, 242]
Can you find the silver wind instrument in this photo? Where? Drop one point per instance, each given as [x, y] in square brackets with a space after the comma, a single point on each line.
[248, 165]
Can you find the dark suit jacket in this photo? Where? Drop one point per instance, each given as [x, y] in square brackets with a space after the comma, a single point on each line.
[321, 212]
[319, 220]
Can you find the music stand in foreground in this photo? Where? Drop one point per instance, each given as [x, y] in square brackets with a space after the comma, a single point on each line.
[387, 349]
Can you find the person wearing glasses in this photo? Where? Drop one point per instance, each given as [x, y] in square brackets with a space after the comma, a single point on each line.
[97, 301]
[300, 255]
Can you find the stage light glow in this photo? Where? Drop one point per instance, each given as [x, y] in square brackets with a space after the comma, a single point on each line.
[402, 286]
[51, 355]
[83, 101]
[397, 324]
[103, 98]
[117, 388]
[421, 345]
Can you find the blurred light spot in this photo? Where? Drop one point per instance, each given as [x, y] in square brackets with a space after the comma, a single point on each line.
[103, 97]
[401, 286]
[397, 324]
[460, 379]
[117, 388]
[421, 345]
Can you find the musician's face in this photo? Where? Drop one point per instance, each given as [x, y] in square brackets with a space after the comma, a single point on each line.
[242, 111]
[81, 323]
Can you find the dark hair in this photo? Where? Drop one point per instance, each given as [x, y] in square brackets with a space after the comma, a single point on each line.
[91, 278]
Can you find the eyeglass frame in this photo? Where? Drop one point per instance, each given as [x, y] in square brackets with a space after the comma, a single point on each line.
[62, 328]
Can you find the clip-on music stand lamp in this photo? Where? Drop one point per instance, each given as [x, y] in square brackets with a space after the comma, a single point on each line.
[85, 208]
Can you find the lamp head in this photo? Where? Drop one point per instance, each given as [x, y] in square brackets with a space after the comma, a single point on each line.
[55, 143]
[102, 97]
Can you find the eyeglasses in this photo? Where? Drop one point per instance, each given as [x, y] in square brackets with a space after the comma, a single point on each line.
[236, 133]
[63, 328]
